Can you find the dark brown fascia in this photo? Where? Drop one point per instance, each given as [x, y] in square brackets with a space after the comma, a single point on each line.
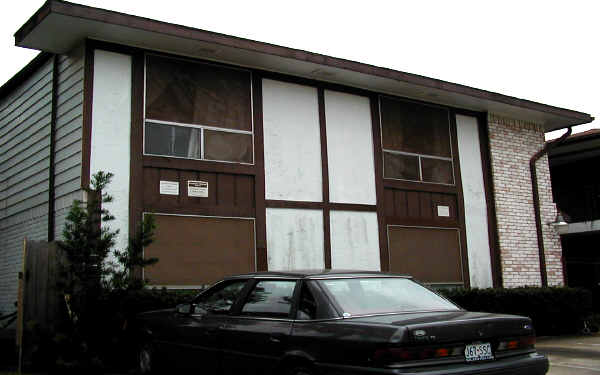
[146, 24]
[39, 60]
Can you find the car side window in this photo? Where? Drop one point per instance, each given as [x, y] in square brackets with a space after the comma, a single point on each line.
[220, 300]
[270, 298]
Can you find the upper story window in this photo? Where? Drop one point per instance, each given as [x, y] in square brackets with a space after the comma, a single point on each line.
[416, 142]
[198, 111]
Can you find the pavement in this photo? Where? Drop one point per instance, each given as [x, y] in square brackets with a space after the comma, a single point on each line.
[572, 355]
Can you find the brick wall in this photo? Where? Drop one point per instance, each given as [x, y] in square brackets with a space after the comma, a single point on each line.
[512, 144]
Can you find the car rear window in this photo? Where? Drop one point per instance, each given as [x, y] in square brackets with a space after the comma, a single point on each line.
[360, 296]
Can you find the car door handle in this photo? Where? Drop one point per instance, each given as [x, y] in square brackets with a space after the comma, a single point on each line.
[276, 338]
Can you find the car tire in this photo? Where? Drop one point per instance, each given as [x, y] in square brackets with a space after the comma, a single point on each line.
[145, 359]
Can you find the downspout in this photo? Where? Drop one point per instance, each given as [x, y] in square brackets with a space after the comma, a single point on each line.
[536, 202]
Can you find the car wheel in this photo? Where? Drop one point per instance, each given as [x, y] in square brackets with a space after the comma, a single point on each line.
[144, 359]
[300, 370]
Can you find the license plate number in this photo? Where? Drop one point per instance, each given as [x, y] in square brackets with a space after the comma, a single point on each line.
[478, 352]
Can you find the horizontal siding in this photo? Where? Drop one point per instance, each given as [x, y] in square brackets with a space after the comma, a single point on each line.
[68, 134]
[25, 138]
[25, 124]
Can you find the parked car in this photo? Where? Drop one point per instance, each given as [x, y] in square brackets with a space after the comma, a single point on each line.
[334, 322]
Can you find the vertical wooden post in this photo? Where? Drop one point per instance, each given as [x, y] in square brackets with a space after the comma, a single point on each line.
[20, 307]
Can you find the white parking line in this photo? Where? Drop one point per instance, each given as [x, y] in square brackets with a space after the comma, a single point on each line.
[569, 365]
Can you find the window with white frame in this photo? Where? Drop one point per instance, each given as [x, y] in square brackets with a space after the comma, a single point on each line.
[416, 142]
[197, 111]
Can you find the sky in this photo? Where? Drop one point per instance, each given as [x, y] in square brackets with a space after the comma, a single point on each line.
[545, 51]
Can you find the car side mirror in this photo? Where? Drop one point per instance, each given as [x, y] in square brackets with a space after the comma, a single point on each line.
[185, 308]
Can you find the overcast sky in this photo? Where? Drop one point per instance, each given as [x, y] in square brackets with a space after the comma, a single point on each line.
[546, 51]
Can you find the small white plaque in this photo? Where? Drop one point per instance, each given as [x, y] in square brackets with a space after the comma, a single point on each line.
[169, 187]
[443, 211]
[198, 189]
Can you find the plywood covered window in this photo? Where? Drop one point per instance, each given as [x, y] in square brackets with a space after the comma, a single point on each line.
[198, 111]
[430, 255]
[416, 142]
[194, 250]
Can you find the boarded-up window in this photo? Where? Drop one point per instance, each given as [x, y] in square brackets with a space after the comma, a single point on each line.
[430, 255]
[416, 141]
[200, 250]
[212, 101]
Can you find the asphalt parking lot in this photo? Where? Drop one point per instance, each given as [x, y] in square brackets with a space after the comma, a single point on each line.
[576, 355]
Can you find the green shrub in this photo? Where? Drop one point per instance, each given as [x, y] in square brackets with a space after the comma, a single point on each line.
[554, 311]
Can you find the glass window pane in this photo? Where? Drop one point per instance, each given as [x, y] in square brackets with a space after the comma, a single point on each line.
[436, 170]
[194, 93]
[227, 146]
[415, 128]
[307, 307]
[405, 167]
[173, 141]
[270, 298]
[221, 299]
[383, 295]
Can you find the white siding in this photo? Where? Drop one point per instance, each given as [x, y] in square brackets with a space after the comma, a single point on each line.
[292, 142]
[354, 240]
[349, 148]
[476, 220]
[111, 130]
[295, 239]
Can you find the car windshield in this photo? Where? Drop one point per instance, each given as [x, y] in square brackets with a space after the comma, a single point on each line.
[360, 296]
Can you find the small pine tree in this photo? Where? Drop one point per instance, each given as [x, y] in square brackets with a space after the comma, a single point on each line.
[132, 258]
[88, 280]
[85, 247]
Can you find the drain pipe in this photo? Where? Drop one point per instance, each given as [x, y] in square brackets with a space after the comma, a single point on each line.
[536, 202]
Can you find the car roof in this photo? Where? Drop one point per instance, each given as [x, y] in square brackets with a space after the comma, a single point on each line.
[317, 274]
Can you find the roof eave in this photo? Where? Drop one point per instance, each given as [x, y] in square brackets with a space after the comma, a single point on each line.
[95, 23]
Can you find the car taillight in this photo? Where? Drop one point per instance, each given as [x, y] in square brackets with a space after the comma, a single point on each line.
[527, 342]
[390, 355]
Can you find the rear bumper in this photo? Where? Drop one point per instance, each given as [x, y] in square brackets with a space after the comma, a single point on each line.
[530, 364]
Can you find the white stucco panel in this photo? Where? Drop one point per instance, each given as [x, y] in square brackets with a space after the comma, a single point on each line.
[476, 220]
[292, 142]
[354, 240]
[349, 148]
[295, 239]
[111, 130]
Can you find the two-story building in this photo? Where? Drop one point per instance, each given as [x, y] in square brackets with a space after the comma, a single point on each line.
[254, 156]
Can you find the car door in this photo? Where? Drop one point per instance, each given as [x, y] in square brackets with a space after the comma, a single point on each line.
[256, 335]
[198, 341]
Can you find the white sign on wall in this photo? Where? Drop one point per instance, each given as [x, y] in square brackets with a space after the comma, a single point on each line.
[198, 189]
[443, 211]
[169, 187]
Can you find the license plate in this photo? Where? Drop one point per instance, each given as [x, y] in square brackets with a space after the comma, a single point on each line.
[478, 352]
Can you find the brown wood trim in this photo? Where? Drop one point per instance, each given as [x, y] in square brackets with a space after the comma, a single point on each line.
[149, 25]
[197, 165]
[419, 186]
[384, 254]
[460, 201]
[259, 172]
[490, 200]
[272, 203]
[220, 211]
[136, 173]
[51, 167]
[23, 74]
[86, 140]
[421, 222]
[114, 47]
[324, 177]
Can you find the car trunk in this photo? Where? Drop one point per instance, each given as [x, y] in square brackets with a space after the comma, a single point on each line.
[452, 326]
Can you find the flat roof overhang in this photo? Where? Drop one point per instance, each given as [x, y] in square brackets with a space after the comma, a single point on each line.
[59, 26]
